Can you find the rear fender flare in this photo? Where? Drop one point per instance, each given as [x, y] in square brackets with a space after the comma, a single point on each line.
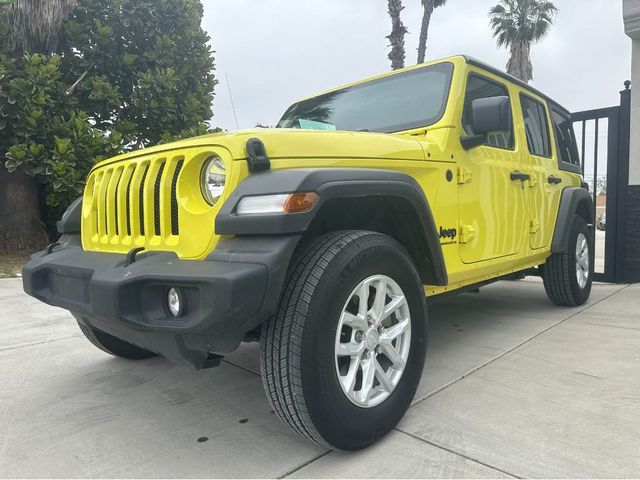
[574, 200]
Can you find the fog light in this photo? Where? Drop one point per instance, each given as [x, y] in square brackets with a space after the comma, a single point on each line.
[175, 303]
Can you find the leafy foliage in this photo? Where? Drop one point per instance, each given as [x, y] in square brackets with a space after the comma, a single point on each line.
[517, 24]
[128, 74]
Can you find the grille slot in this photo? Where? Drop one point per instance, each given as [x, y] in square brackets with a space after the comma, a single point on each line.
[156, 201]
[128, 204]
[141, 196]
[175, 228]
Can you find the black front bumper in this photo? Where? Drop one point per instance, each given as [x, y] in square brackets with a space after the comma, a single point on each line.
[226, 295]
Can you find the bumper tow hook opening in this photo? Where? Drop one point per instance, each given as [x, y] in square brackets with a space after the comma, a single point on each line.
[131, 255]
[212, 361]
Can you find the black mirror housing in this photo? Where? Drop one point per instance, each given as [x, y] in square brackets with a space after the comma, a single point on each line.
[491, 114]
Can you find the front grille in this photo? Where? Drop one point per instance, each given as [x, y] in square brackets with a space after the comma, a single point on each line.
[130, 199]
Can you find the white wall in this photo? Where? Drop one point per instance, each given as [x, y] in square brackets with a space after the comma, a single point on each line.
[631, 9]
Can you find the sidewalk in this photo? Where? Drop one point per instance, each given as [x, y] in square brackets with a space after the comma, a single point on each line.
[513, 386]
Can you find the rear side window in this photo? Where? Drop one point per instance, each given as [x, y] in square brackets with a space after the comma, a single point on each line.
[480, 87]
[565, 138]
[536, 127]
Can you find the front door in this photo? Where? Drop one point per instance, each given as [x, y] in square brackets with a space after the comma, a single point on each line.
[493, 204]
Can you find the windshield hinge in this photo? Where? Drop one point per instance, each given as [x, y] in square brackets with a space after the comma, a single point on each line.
[257, 156]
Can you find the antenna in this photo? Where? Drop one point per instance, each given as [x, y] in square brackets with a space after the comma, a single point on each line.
[233, 107]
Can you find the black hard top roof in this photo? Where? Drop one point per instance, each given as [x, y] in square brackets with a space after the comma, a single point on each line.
[496, 71]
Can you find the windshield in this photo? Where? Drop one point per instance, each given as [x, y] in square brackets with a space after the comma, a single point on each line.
[407, 100]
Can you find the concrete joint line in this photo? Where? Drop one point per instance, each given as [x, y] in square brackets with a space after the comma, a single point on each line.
[506, 352]
[455, 452]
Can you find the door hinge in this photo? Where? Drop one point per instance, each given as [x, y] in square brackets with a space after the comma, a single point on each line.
[534, 226]
[467, 233]
[464, 175]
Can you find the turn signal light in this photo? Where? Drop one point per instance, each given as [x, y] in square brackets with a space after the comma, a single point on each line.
[300, 202]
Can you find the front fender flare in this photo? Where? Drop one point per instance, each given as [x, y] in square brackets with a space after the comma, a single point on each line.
[330, 184]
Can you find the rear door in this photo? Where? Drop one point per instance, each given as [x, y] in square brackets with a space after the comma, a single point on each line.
[493, 208]
[545, 185]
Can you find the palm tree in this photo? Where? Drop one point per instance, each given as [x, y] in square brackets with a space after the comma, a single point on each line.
[518, 24]
[428, 6]
[35, 25]
[396, 37]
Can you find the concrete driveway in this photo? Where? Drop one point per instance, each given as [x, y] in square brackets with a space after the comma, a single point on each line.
[513, 386]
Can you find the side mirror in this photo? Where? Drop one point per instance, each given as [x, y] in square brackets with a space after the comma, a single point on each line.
[491, 114]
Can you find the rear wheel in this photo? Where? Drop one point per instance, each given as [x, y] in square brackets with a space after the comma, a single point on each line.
[112, 345]
[343, 356]
[568, 276]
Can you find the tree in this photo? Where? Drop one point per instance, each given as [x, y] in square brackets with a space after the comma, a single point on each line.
[428, 6]
[396, 37]
[33, 25]
[518, 24]
[126, 74]
[36, 25]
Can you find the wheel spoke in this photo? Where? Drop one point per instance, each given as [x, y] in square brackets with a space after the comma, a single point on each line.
[395, 331]
[380, 299]
[381, 375]
[584, 262]
[392, 306]
[368, 374]
[350, 349]
[363, 299]
[392, 354]
[349, 380]
[353, 321]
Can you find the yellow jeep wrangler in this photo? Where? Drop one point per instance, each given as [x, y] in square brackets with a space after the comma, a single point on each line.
[324, 238]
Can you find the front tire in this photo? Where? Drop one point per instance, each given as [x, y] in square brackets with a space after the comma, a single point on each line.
[338, 369]
[112, 345]
[568, 275]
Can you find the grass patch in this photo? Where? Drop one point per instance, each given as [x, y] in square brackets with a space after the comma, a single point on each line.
[10, 265]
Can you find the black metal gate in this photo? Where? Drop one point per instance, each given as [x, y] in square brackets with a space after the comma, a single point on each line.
[605, 167]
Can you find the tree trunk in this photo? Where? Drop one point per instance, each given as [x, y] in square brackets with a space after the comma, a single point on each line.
[21, 230]
[396, 37]
[428, 7]
[519, 64]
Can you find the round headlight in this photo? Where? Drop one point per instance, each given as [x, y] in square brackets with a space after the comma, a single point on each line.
[213, 179]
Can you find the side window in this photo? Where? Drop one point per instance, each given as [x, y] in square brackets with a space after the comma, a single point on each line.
[536, 127]
[480, 87]
[565, 138]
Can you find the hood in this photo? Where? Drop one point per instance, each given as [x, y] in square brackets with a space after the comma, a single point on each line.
[300, 144]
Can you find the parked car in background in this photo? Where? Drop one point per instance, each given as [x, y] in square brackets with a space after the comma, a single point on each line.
[602, 222]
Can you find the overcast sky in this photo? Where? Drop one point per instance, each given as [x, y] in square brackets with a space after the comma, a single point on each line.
[277, 51]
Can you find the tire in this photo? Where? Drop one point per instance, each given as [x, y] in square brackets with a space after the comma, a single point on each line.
[114, 346]
[299, 361]
[560, 272]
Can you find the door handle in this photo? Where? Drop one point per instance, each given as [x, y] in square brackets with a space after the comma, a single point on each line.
[554, 180]
[523, 177]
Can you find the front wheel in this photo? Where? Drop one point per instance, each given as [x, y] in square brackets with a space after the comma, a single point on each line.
[342, 358]
[112, 345]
